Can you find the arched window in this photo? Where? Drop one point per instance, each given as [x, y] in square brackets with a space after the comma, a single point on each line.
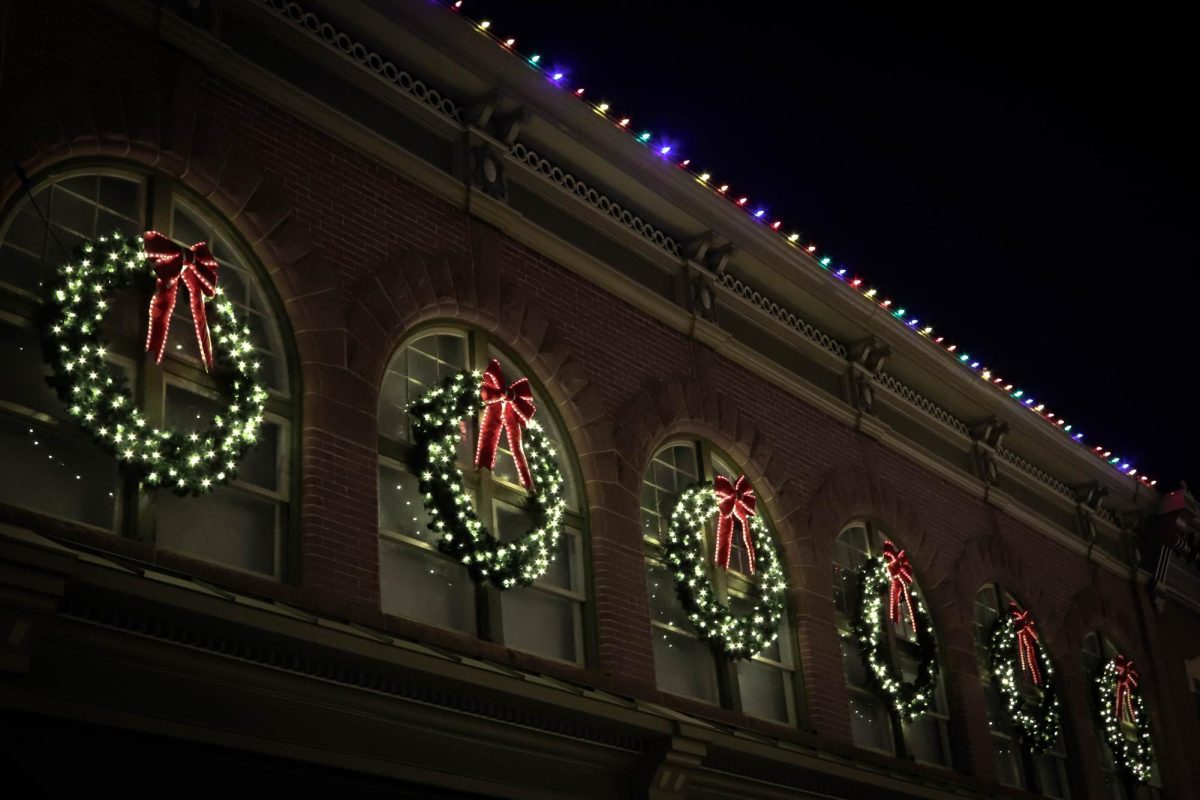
[1044, 774]
[763, 686]
[417, 580]
[51, 467]
[1098, 650]
[874, 724]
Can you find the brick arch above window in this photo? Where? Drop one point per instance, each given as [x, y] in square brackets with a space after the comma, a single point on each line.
[845, 496]
[50, 125]
[666, 409]
[1095, 608]
[987, 558]
[413, 289]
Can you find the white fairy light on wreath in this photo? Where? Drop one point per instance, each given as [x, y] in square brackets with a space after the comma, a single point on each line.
[437, 419]
[910, 700]
[96, 395]
[736, 635]
[1117, 687]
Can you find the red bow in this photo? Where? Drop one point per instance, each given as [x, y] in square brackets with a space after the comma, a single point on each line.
[1026, 636]
[1127, 681]
[900, 571]
[197, 268]
[733, 500]
[509, 409]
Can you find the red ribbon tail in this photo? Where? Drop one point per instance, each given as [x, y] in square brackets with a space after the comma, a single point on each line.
[200, 319]
[162, 306]
[749, 542]
[489, 436]
[912, 618]
[724, 540]
[512, 429]
[1125, 703]
[894, 601]
[1029, 660]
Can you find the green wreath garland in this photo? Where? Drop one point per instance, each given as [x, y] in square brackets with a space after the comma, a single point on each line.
[96, 395]
[437, 419]
[910, 700]
[1136, 757]
[1037, 726]
[736, 635]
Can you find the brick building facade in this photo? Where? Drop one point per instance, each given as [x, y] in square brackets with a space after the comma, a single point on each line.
[384, 175]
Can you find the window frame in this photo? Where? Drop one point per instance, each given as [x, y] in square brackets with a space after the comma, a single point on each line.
[494, 491]
[901, 748]
[134, 514]
[728, 583]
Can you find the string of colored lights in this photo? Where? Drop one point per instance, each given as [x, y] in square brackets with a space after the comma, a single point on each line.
[825, 261]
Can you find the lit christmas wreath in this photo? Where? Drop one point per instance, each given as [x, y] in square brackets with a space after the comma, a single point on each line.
[438, 418]
[1119, 699]
[97, 396]
[890, 576]
[737, 635]
[1016, 638]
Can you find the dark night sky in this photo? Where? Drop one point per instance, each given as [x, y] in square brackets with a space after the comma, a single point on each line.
[1025, 183]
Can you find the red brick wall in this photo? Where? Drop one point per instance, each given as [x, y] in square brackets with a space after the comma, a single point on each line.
[359, 255]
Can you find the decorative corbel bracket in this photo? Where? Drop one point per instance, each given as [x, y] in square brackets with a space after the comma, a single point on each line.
[669, 767]
[864, 362]
[717, 258]
[987, 436]
[1088, 499]
[508, 126]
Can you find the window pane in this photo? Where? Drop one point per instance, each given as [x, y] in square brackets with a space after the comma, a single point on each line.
[850, 553]
[393, 399]
[870, 723]
[671, 471]
[846, 583]
[562, 570]
[27, 232]
[401, 509]
[21, 269]
[25, 372]
[665, 606]
[924, 739]
[998, 717]
[540, 623]
[1112, 786]
[23, 249]
[764, 693]
[424, 363]
[56, 473]
[1050, 775]
[225, 525]
[1008, 766]
[189, 411]
[261, 464]
[856, 673]
[74, 213]
[511, 522]
[119, 195]
[684, 666]
[424, 586]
